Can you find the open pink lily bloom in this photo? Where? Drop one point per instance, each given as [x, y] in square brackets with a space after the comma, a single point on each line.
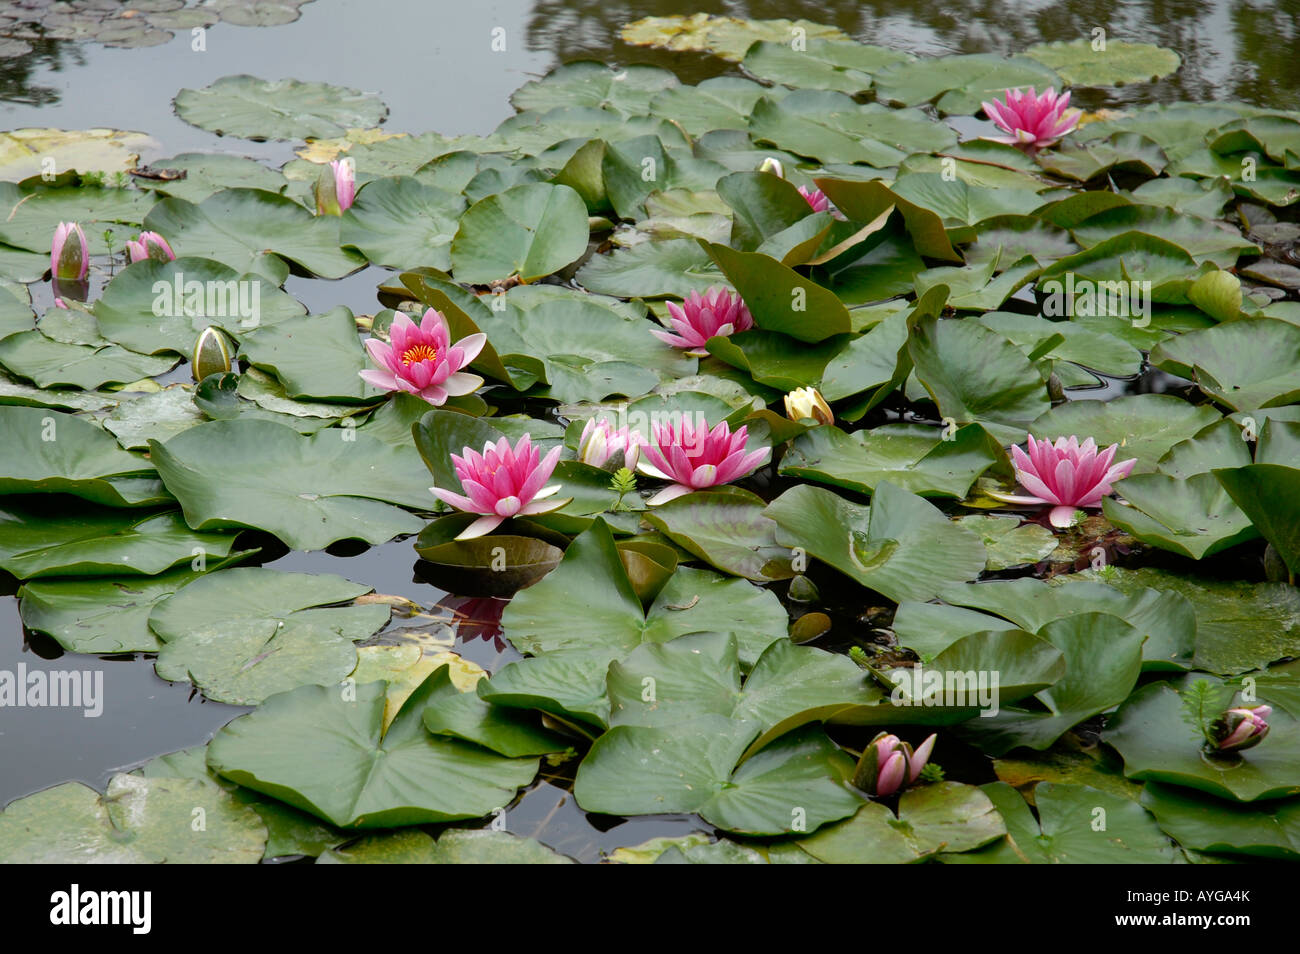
[1066, 474]
[701, 317]
[421, 359]
[815, 198]
[693, 457]
[1032, 121]
[502, 482]
[150, 245]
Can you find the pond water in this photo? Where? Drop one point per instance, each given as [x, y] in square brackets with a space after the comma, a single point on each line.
[431, 62]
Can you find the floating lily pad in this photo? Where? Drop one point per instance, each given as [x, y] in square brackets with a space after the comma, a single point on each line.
[529, 230]
[1206, 823]
[403, 223]
[900, 546]
[795, 784]
[52, 452]
[157, 416]
[194, 176]
[1193, 516]
[587, 83]
[1158, 744]
[820, 64]
[960, 83]
[24, 152]
[1103, 657]
[540, 619]
[315, 357]
[330, 486]
[727, 37]
[1145, 426]
[253, 108]
[1245, 364]
[49, 363]
[328, 755]
[463, 715]
[726, 528]
[1077, 824]
[916, 458]
[154, 307]
[1008, 542]
[47, 541]
[1268, 494]
[136, 821]
[1118, 62]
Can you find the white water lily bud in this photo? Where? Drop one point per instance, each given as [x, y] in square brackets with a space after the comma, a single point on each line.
[211, 354]
[772, 165]
[808, 403]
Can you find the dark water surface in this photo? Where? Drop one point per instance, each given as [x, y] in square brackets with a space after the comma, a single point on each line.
[433, 64]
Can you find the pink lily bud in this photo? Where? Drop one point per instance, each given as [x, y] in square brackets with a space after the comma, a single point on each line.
[600, 441]
[336, 187]
[1241, 728]
[69, 256]
[891, 775]
[888, 765]
[150, 245]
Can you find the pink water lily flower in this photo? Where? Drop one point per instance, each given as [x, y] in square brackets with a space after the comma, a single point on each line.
[815, 198]
[693, 457]
[1032, 121]
[502, 482]
[701, 317]
[422, 360]
[69, 256]
[345, 182]
[601, 440]
[150, 245]
[1066, 474]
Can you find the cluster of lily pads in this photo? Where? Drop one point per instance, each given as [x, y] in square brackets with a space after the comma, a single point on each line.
[723, 388]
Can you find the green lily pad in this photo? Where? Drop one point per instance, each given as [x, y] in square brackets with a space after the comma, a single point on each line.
[821, 64]
[315, 357]
[726, 37]
[1158, 744]
[326, 753]
[528, 230]
[674, 267]
[464, 715]
[830, 127]
[960, 83]
[30, 213]
[900, 546]
[151, 307]
[1206, 823]
[1071, 819]
[157, 416]
[455, 846]
[243, 635]
[103, 614]
[720, 102]
[931, 818]
[795, 784]
[1167, 619]
[1200, 238]
[52, 452]
[726, 528]
[1248, 364]
[136, 821]
[252, 108]
[49, 363]
[1193, 516]
[1103, 657]
[779, 298]
[47, 541]
[975, 375]
[587, 83]
[1239, 625]
[333, 485]
[1117, 63]
[402, 223]
[1145, 426]
[254, 231]
[540, 619]
[1123, 152]
[1268, 494]
[914, 457]
[1008, 543]
[209, 172]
